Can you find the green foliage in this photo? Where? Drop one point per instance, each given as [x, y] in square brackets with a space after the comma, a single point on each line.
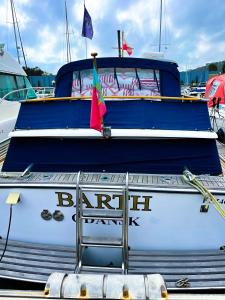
[36, 71]
[223, 68]
[212, 67]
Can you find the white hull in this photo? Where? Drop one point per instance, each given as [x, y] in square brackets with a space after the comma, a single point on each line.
[8, 115]
[162, 218]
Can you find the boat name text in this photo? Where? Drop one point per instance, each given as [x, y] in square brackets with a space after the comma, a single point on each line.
[105, 201]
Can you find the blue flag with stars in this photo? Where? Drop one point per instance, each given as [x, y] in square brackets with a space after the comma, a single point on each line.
[87, 30]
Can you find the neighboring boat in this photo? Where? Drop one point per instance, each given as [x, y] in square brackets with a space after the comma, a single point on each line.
[74, 199]
[215, 93]
[195, 91]
[12, 78]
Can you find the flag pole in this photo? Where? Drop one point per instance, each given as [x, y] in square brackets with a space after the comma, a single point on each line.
[85, 38]
[94, 54]
[86, 47]
[119, 46]
[122, 42]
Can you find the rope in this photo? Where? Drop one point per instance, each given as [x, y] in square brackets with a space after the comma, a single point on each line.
[207, 196]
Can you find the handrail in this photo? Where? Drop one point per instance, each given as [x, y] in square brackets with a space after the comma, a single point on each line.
[35, 90]
[73, 98]
[17, 91]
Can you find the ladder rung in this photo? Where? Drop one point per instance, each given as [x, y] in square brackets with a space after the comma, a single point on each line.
[102, 214]
[101, 242]
[101, 269]
[103, 189]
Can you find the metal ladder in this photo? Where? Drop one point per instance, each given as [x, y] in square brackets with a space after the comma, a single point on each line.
[99, 214]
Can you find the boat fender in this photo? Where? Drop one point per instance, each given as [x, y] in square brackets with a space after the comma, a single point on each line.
[110, 286]
[221, 136]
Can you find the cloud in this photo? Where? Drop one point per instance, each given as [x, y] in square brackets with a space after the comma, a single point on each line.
[191, 32]
[140, 16]
[97, 9]
[23, 17]
[48, 48]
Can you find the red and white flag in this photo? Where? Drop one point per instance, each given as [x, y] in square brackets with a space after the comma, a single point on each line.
[125, 46]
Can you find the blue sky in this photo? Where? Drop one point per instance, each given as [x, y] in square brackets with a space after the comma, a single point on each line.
[193, 30]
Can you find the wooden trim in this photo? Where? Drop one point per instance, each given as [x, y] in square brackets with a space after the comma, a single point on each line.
[72, 98]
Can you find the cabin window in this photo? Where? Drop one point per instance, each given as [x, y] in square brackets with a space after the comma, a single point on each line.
[118, 82]
[9, 83]
[214, 88]
[27, 90]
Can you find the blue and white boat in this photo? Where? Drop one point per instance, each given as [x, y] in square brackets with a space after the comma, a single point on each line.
[12, 78]
[125, 200]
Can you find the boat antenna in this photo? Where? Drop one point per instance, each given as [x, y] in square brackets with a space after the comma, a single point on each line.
[68, 52]
[160, 25]
[17, 32]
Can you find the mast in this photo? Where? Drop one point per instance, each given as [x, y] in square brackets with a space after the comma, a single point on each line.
[14, 29]
[160, 25]
[17, 32]
[119, 42]
[68, 52]
[21, 43]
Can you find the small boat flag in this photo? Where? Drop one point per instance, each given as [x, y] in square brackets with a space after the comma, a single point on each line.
[98, 107]
[127, 48]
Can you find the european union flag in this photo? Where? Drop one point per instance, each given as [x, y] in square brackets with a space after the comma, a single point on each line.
[87, 30]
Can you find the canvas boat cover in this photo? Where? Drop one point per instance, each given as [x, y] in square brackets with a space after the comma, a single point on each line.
[215, 88]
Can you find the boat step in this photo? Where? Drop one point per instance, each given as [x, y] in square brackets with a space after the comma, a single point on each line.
[35, 262]
[101, 270]
[182, 270]
[102, 214]
[107, 242]
[112, 189]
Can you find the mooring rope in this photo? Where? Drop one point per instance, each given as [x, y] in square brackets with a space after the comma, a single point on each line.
[207, 196]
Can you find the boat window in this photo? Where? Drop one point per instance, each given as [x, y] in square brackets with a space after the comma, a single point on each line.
[30, 93]
[9, 83]
[214, 88]
[118, 82]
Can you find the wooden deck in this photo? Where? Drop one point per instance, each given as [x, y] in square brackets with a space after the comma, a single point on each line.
[182, 270]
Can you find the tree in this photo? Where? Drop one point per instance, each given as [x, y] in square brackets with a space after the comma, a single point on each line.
[212, 67]
[36, 71]
[223, 68]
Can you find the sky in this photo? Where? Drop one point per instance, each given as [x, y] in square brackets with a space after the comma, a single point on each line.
[193, 31]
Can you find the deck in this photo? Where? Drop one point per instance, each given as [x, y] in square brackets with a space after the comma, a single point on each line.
[181, 270]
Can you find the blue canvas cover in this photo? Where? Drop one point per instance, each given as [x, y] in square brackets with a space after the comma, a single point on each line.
[169, 74]
[113, 155]
[143, 114]
[160, 156]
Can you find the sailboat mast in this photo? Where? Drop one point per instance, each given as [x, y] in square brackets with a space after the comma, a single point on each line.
[160, 25]
[18, 30]
[14, 29]
[68, 53]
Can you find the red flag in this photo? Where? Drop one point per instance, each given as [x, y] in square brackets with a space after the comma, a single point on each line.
[98, 108]
[127, 48]
[95, 120]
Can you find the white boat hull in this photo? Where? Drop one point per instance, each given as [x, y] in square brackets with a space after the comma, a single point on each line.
[171, 218]
[8, 115]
